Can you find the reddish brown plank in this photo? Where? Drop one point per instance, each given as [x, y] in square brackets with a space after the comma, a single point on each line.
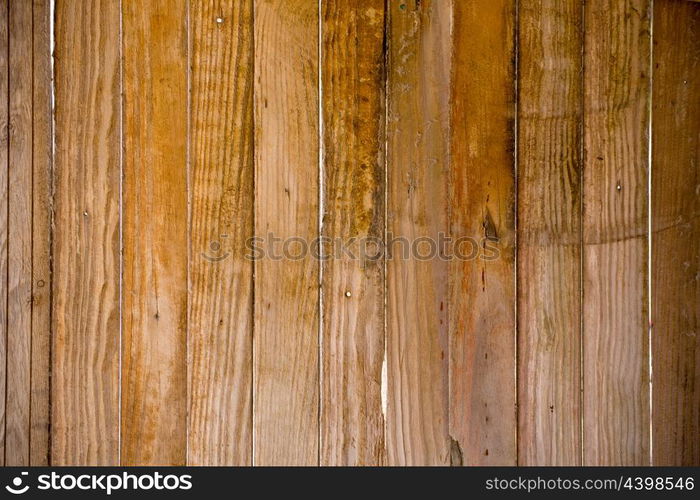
[549, 232]
[675, 265]
[482, 194]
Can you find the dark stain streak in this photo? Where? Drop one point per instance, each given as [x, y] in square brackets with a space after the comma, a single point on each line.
[490, 232]
[456, 456]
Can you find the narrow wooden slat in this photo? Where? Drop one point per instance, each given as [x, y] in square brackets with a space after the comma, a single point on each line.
[154, 321]
[19, 239]
[352, 421]
[417, 161]
[549, 232]
[285, 359]
[4, 159]
[482, 289]
[85, 311]
[41, 240]
[615, 320]
[675, 265]
[221, 278]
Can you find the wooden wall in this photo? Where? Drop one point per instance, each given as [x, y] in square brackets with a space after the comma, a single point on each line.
[562, 136]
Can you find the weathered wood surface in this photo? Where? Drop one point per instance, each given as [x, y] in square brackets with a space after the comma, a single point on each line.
[139, 323]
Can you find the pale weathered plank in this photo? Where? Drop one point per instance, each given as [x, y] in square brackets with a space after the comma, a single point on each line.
[19, 236]
[285, 350]
[482, 288]
[417, 162]
[85, 310]
[352, 421]
[155, 233]
[4, 158]
[221, 278]
[615, 320]
[549, 232]
[41, 239]
[675, 265]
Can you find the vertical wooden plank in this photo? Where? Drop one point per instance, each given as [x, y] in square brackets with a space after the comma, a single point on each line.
[4, 164]
[286, 382]
[675, 266]
[85, 314]
[615, 322]
[41, 239]
[19, 239]
[417, 163]
[154, 320]
[482, 292]
[221, 278]
[352, 421]
[549, 232]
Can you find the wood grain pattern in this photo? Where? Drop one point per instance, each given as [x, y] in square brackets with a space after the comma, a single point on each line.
[221, 278]
[482, 289]
[352, 421]
[675, 266]
[417, 161]
[286, 336]
[4, 159]
[19, 237]
[85, 315]
[549, 232]
[41, 235]
[615, 320]
[155, 233]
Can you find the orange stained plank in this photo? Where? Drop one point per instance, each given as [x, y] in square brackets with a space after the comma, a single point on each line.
[155, 233]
